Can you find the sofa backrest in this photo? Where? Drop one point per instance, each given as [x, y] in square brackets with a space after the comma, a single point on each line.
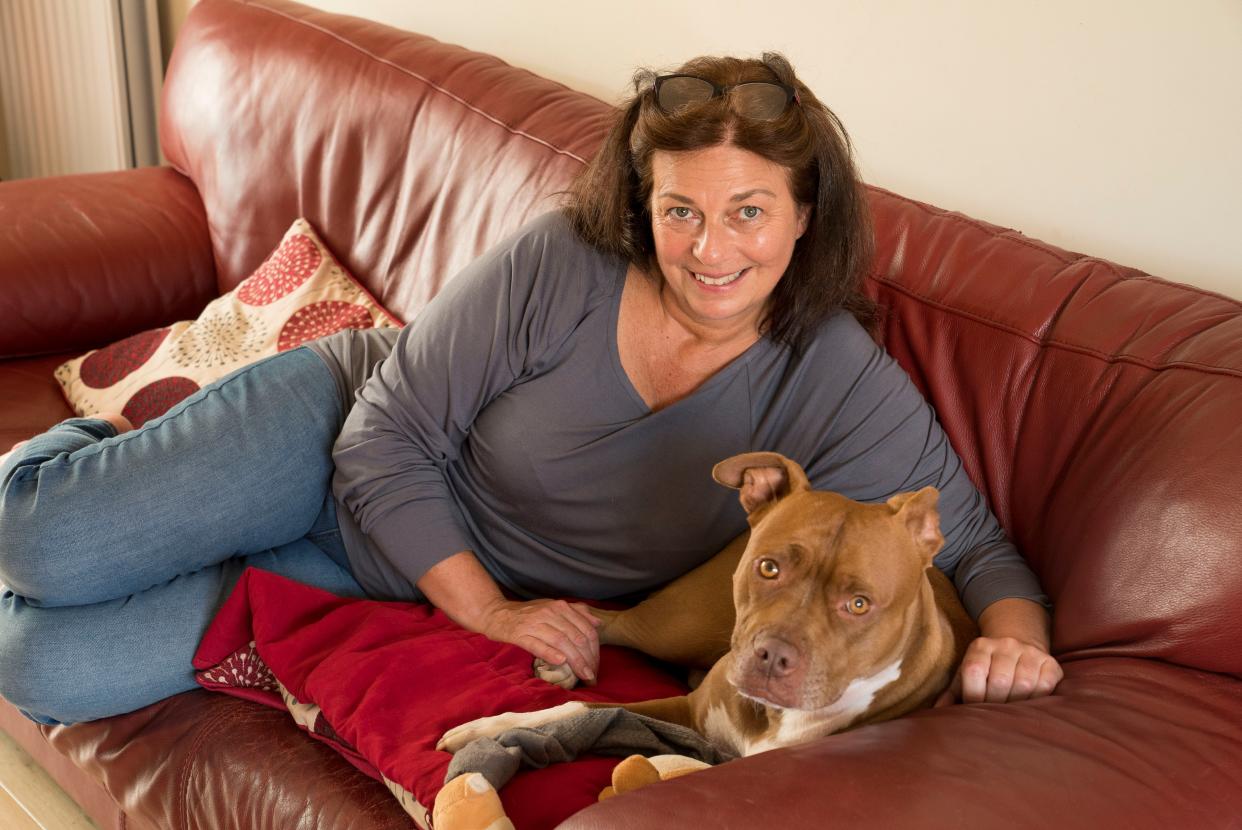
[1097, 408]
[1100, 411]
[409, 156]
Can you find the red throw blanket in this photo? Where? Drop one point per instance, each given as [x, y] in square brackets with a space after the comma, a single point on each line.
[381, 681]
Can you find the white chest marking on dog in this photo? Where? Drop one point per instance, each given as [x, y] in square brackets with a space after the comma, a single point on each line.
[459, 736]
[720, 729]
[799, 725]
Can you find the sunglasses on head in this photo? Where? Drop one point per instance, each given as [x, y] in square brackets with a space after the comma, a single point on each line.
[758, 100]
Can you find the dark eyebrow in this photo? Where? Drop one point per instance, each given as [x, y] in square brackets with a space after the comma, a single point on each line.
[741, 197]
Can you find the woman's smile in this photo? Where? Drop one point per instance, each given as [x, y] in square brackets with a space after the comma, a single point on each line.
[720, 281]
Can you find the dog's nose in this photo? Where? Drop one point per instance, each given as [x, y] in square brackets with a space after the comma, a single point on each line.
[776, 658]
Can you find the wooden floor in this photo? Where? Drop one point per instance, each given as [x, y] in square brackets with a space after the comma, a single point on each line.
[29, 799]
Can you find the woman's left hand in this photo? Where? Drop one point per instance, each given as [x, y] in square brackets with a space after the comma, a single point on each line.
[1010, 661]
[1002, 669]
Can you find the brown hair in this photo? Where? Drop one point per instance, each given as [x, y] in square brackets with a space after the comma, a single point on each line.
[608, 202]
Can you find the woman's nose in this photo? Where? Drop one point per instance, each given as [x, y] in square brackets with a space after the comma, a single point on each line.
[709, 246]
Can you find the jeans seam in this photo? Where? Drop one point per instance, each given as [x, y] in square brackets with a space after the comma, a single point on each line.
[343, 562]
[211, 391]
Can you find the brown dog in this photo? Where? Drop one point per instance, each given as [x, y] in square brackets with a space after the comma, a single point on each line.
[841, 619]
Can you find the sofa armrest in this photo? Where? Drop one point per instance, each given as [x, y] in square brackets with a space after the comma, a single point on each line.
[1123, 742]
[88, 259]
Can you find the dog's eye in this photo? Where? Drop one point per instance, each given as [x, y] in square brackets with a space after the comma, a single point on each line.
[769, 569]
[858, 606]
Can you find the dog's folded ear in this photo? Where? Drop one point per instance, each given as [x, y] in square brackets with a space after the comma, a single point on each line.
[921, 517]
[762, 477]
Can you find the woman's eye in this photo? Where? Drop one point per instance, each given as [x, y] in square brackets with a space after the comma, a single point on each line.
[751, 212]
[680, 212]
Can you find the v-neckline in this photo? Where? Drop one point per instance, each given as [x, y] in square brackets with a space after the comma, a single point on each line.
[721, 375]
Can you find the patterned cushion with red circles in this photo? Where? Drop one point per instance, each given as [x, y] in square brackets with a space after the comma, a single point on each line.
[300, 293]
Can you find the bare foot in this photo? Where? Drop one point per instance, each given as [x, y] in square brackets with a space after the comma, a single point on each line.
[119, 421]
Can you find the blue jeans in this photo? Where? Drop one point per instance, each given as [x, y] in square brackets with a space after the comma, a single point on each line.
[117, 550]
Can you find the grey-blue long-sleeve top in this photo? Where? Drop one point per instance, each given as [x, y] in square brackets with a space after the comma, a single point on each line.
[503, 423]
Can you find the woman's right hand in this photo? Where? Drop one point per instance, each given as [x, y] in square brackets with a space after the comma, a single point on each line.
[555, 631]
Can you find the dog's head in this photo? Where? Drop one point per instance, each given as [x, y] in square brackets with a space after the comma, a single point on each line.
[828, 590]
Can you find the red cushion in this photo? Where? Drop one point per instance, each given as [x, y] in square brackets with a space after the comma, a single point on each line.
[390, 678]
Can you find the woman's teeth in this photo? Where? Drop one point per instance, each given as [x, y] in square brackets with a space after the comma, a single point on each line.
[725, 280]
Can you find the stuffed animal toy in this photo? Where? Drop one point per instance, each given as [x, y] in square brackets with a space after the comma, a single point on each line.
[637, 771]
[469, 802]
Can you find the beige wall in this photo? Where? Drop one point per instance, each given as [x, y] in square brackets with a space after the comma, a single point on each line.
[172, 14]
[1112, 127]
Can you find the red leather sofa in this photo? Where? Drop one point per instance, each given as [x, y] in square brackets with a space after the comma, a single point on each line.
[1099, 409]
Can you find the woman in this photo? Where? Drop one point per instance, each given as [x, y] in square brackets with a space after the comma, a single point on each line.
[546, 428]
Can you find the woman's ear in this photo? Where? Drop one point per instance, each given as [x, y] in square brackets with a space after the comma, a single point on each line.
[804, 219]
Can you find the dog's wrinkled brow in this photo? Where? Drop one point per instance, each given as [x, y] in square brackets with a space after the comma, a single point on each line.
[796, 551]
[833, 538]
[851, 584]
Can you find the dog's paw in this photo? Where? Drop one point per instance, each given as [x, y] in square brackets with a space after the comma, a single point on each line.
[561, 675]
[457, 737]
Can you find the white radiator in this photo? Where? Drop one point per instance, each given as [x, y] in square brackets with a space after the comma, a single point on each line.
[79, 86]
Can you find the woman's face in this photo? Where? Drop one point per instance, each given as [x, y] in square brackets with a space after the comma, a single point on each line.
[725, 224]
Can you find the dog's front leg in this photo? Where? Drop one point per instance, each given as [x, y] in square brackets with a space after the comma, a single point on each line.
[673, 709]
[490, 727]
[678, 710]
[689, 621]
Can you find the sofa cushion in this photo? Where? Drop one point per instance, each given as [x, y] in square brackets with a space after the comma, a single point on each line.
[32, 398]
[203, 761]
[298, 294]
